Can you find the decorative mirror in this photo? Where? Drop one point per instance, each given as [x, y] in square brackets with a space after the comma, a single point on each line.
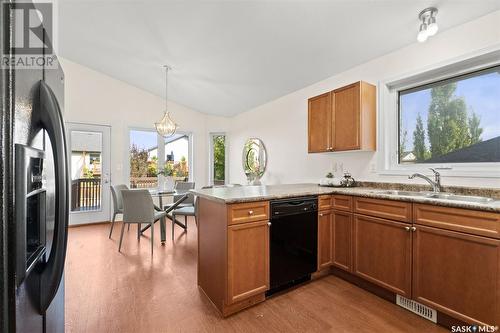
[254, 160]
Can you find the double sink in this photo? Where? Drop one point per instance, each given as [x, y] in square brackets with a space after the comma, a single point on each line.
[437, 195]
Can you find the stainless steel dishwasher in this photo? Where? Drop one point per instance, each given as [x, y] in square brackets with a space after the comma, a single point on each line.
[293, 242]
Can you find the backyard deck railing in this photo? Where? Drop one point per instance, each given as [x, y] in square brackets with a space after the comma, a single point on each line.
[86, 194]
[143, 182]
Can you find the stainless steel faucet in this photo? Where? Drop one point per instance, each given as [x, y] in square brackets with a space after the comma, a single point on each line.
[436, 183]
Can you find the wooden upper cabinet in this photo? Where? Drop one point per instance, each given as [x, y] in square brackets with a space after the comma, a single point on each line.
[354, 117]
[319, 123]
[344, 119]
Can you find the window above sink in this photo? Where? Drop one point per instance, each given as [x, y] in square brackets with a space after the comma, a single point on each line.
[446, 117]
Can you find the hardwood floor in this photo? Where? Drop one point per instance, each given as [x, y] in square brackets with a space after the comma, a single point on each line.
[108, 291]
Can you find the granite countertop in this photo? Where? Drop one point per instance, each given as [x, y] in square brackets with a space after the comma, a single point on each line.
[238, 194]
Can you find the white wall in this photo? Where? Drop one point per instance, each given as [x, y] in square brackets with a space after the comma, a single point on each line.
[282, 123]
[94, 98]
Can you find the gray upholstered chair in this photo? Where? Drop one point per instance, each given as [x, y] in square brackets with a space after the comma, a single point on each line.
[181, 188]
[138, 208]
[189, 210]
[116, 192]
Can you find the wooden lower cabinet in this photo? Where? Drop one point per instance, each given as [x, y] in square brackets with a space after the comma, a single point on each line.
[324, 239]
[458, 274]
[247, 260]
[341, 240]
[382, 253]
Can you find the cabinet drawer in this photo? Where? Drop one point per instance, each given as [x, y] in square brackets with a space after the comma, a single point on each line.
[325, 202]
[248, 212]
[389, 209]
[457, 219]
[342, 202]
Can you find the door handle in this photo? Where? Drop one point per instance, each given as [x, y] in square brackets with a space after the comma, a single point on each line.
[49, 117]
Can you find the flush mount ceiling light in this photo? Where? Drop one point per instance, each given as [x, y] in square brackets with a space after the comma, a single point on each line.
[429, 26]
[166, 127]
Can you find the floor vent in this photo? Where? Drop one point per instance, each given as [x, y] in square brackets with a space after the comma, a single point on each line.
[417, 308]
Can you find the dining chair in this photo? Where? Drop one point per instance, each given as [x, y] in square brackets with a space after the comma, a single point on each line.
[182, 188]
[185, 211]
[138, 208]
[116, 193]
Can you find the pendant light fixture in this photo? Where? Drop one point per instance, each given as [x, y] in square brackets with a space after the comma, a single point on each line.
[166, 127]
[429, 26]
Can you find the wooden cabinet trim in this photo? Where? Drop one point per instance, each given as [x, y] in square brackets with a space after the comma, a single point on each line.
[342, 202]
[232, 295]
[349, 86]
[458, 219]
[248, 212]
[490, 307]
[389, 209]
[325, 202]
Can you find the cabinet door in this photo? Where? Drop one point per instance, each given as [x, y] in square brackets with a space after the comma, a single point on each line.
[346, 118]
[458, 274]
[320, 123]
[247, 260]
[341, 240]
[382, 253]
[324, 239]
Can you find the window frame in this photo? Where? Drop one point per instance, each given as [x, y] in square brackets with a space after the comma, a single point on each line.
[388, 116]
[211, 136]
[161, 151]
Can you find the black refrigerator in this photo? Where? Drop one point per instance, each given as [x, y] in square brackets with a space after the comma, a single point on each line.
[34, 194]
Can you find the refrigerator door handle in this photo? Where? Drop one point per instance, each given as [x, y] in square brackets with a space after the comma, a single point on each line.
[49, 117]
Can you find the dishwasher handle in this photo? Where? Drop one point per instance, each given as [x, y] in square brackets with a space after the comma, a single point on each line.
[291, 207]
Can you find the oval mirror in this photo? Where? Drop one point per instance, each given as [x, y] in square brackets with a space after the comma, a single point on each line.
[254, 159]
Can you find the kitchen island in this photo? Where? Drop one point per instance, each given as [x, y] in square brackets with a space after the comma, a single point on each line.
[379, 239]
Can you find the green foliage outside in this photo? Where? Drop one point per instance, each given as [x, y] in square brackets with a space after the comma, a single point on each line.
[219, 157]
[448, 126]
[419, 148]
[179, 169]
[87, 173]
[139, 164]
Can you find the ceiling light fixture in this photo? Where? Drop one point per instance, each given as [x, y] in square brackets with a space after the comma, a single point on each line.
[429, 26]
[166, 127]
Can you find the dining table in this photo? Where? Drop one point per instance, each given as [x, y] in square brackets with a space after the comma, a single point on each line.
[160, 194]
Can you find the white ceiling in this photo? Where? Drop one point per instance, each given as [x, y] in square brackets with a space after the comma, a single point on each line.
[230, 56]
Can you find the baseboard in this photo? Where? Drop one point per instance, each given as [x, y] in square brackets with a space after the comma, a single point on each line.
[442, 318]
[87, 224]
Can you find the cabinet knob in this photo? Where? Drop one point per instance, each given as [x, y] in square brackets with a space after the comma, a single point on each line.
[250, 212]
[407, 228]
[413, 228]
[320, 214]
[269, 224]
